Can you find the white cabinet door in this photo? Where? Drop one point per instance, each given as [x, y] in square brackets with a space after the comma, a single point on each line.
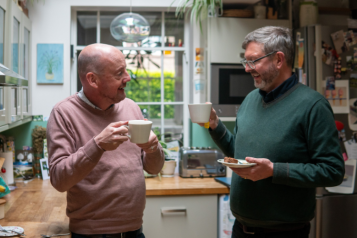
[226, 36]
[181, 216]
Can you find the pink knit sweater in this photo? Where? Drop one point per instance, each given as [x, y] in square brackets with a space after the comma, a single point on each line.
[105, 189]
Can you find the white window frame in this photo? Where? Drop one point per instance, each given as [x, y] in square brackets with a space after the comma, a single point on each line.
[185, 62]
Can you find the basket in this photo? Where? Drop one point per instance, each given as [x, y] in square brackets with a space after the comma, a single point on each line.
[244, 13]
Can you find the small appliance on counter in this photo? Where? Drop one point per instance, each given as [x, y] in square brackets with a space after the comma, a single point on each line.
[200, 162]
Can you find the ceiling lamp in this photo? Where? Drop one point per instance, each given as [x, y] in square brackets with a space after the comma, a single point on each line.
[130, 27]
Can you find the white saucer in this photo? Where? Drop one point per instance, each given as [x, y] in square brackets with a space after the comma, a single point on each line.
[11, 228]
[243, 164]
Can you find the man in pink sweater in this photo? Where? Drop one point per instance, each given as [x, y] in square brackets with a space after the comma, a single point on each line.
[92, 159]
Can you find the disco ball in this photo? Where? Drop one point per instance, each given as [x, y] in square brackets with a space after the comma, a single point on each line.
[130, 27]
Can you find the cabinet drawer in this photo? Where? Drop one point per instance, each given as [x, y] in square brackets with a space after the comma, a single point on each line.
[181, 216]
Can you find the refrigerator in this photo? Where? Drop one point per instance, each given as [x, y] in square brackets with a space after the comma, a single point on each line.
[336, 212]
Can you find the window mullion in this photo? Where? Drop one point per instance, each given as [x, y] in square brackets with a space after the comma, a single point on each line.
[162, 74]
[98, 27]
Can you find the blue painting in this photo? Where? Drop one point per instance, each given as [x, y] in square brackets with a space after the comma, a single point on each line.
[50, 63]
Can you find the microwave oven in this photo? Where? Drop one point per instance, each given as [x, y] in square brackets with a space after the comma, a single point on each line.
[230, 84]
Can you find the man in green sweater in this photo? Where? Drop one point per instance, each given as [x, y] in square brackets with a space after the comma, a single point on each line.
[288, 130]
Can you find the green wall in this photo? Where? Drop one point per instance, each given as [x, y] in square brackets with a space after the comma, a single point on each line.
[23, 134]
[201, 138]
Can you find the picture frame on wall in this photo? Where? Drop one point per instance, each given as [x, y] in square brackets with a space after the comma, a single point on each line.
[50, 63]
[45, 170]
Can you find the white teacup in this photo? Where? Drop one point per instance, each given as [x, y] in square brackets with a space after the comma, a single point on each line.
[139, 131]
[200, 112]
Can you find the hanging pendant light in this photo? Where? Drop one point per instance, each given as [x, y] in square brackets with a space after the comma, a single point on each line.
[130, 27]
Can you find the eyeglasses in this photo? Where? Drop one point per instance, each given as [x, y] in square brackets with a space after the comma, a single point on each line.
[251, 63]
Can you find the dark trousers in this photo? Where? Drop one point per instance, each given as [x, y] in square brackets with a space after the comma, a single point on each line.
[238, 232]
[130, 234]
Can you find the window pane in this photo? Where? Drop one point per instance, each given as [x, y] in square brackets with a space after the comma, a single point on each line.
[15, 46]
[1, 98]
[26, 53]
[173, 123]
[174, 30]
[154, 40]
[2, 30]
[145, 70]
[152, 113]
[86, 28]
[173, 76]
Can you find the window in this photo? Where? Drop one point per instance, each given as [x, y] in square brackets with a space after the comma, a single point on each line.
[157, 65]
[15, 46]
[2, 31]
[26, 58]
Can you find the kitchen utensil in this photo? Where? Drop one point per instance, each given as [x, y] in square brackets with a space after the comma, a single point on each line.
[47, 236]
[11, 231]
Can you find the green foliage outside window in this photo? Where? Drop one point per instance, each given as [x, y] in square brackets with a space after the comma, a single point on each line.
[147, 89]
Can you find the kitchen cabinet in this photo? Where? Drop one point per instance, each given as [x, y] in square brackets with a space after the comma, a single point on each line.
[15, 92]
[192, 216]
[226, 35]
[182, 207]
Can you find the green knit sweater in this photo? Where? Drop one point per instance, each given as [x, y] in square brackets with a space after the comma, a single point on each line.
[298, 134]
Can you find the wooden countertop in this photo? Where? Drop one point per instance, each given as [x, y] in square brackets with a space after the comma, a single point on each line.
[183, 186]
[40, 209]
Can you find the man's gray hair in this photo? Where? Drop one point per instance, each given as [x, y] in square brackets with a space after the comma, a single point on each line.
[273, 38]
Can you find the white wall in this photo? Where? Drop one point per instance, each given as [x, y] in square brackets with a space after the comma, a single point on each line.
[51, 23]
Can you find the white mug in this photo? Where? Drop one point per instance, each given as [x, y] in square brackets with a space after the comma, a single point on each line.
[139, 131]
[200, 112]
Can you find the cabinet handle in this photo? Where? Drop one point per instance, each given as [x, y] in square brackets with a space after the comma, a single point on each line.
[169, 211]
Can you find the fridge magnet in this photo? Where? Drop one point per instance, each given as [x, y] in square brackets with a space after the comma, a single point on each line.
[348, 183]
[330, 83]
[45, 171]
[350, 38]
[327, 53]
[339, 42]
[337, 68]
[50, 63]
[338, 97]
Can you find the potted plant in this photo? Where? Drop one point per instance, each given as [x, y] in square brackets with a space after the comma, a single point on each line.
[200, 9]
[50, 62]
[168, 170]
